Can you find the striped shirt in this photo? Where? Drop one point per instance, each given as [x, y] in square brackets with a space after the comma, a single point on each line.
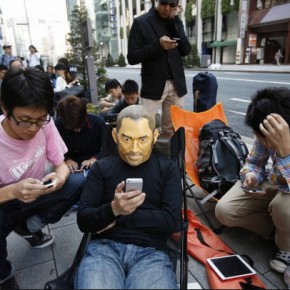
[277, 174]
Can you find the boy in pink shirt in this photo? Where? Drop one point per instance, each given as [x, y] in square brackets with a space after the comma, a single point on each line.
[29, 138]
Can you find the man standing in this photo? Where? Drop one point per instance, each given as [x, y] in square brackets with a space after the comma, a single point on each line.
[157, 40]
[7, 56]
[130, 228]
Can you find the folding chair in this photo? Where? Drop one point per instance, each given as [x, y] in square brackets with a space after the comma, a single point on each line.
[177, 150]
[192, 123]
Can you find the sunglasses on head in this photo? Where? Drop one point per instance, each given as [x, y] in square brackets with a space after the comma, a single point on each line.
[170, 3]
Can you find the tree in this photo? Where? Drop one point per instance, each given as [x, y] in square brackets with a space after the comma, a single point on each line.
[192, 60]
[121, 60]
[109, 60]
[77, 52]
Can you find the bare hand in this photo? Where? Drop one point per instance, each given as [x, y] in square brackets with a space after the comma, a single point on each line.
[167, 43]
[177, 11]
[28, 190]
[125, 203]
[276, 131]
[251, 180]
[58, 182]
[72, 165]
[86, 164]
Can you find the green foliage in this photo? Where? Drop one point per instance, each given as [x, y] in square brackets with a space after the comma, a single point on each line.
[227, 8]
[188, 12]
[109, 60]
[207, 9]
[121, 60]
[101, 79]
[192, 60]
[77, 52]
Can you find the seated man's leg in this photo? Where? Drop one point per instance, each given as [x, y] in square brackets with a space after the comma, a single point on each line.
[150, 269]
[279, 210]
[34, 216]
[239, 209]
[54, 206]
[100, 267]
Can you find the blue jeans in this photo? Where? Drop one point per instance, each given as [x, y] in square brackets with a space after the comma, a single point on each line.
[111, 265]
[50, 208]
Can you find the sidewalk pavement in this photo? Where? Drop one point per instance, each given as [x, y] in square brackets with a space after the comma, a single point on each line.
[259, 68]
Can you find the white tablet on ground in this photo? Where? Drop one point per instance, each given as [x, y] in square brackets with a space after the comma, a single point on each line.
[230, 267]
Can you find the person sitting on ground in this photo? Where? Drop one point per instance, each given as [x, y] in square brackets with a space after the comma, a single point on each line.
[28, 139]
[113, 88]
[130, 90]
[81, 132]
[266, 213]
[135, 221]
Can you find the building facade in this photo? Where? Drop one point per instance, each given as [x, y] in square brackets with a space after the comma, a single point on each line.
[226, 31]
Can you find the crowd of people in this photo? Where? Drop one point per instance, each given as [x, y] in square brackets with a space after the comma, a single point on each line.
[55, 155]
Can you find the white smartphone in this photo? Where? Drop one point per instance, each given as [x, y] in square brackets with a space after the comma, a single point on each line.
[232, 266]
[134, 184]
[253, 189]
[48, 183]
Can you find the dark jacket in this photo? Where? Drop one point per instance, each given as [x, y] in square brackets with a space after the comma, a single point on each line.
[153, 221]
[144, 47]
[84, 144]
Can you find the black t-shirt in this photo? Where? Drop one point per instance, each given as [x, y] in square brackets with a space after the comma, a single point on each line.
[153, 221]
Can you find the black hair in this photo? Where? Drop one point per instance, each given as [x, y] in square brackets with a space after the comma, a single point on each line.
[72, 111]
[130, 87]
[28, 87]
[32, 46]
[267, 101]
[112, 84]
[40, 67]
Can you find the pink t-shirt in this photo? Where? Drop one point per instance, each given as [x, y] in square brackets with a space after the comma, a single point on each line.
[20, 159]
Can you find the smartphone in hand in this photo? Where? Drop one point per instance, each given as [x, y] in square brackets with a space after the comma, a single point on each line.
[253, 189]
[134, 184]
[48, 183]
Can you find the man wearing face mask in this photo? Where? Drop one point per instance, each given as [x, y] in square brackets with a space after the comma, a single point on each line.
[157, 40]
[130, 228]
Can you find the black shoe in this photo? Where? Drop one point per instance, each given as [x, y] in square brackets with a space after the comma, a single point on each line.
[39, 240]
[36, 240]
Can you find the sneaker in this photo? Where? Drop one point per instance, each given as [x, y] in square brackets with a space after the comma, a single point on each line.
[39, 240]
[9, 276]
[280, 261]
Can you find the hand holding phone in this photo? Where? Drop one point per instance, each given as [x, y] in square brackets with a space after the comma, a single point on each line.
[253, 189]
[134, 184]
[48, 183]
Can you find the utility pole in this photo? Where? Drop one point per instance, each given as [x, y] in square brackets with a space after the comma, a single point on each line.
[88, 44]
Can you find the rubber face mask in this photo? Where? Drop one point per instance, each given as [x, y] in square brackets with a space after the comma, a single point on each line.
[135, 141]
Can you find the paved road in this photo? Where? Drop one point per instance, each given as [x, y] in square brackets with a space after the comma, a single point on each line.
[235, 90]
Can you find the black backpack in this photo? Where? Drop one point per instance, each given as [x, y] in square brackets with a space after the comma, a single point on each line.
[221, 155]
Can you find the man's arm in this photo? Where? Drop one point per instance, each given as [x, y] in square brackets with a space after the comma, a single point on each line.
[139, 49]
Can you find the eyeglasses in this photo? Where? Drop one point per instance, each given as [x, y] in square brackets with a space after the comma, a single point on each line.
[27, 124]
[168, 2]
[142, 141]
